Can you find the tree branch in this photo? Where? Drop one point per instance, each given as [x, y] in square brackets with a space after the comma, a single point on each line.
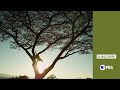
[67, 54]
[37, 36]
[28, 18]
[23, 48]
[90, 26]
[17, 42]
[62, 51]
[88, 35]
[23, 22]
[68, 18]
[28, 28]
[50, 19]
[29, 47]
[52, 44]
[33, 49]
[73, 31]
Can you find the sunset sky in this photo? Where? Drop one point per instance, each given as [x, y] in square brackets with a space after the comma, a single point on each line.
[17, 62]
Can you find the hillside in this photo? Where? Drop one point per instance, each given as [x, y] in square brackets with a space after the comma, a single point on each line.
[6, 76]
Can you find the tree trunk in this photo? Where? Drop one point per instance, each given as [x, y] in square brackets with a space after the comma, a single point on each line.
[37, 74]
[42, 75]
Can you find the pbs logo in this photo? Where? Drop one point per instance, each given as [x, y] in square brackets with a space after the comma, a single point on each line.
[102, 67]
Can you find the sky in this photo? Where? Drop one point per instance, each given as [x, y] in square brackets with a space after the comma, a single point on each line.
[17, 62]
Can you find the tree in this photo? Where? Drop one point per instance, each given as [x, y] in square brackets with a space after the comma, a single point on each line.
[68, 31]
[52, 76]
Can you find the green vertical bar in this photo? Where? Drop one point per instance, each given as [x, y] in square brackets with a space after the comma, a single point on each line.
[106, 27]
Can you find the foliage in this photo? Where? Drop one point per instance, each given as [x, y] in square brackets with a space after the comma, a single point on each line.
[54, 29]
[20, 77]
[68, 31]
[52, 76]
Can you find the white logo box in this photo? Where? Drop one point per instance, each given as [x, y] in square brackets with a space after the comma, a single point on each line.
[106, 56]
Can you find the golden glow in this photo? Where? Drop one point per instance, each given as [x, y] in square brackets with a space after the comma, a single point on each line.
[41, 66]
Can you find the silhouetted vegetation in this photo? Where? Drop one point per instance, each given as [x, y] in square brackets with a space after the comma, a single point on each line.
[20, 77]
[68, 31]
[52, 76]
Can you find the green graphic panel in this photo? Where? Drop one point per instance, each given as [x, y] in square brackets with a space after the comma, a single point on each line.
[106, 27]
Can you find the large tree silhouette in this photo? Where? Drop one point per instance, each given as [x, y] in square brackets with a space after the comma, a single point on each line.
[68, 31]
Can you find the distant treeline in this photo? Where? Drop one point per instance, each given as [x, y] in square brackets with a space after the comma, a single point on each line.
[20, 77]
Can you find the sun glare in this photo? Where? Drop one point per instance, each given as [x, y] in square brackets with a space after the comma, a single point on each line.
[41, 66]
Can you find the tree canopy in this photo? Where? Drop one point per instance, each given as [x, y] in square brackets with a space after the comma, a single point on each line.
[69, 31]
